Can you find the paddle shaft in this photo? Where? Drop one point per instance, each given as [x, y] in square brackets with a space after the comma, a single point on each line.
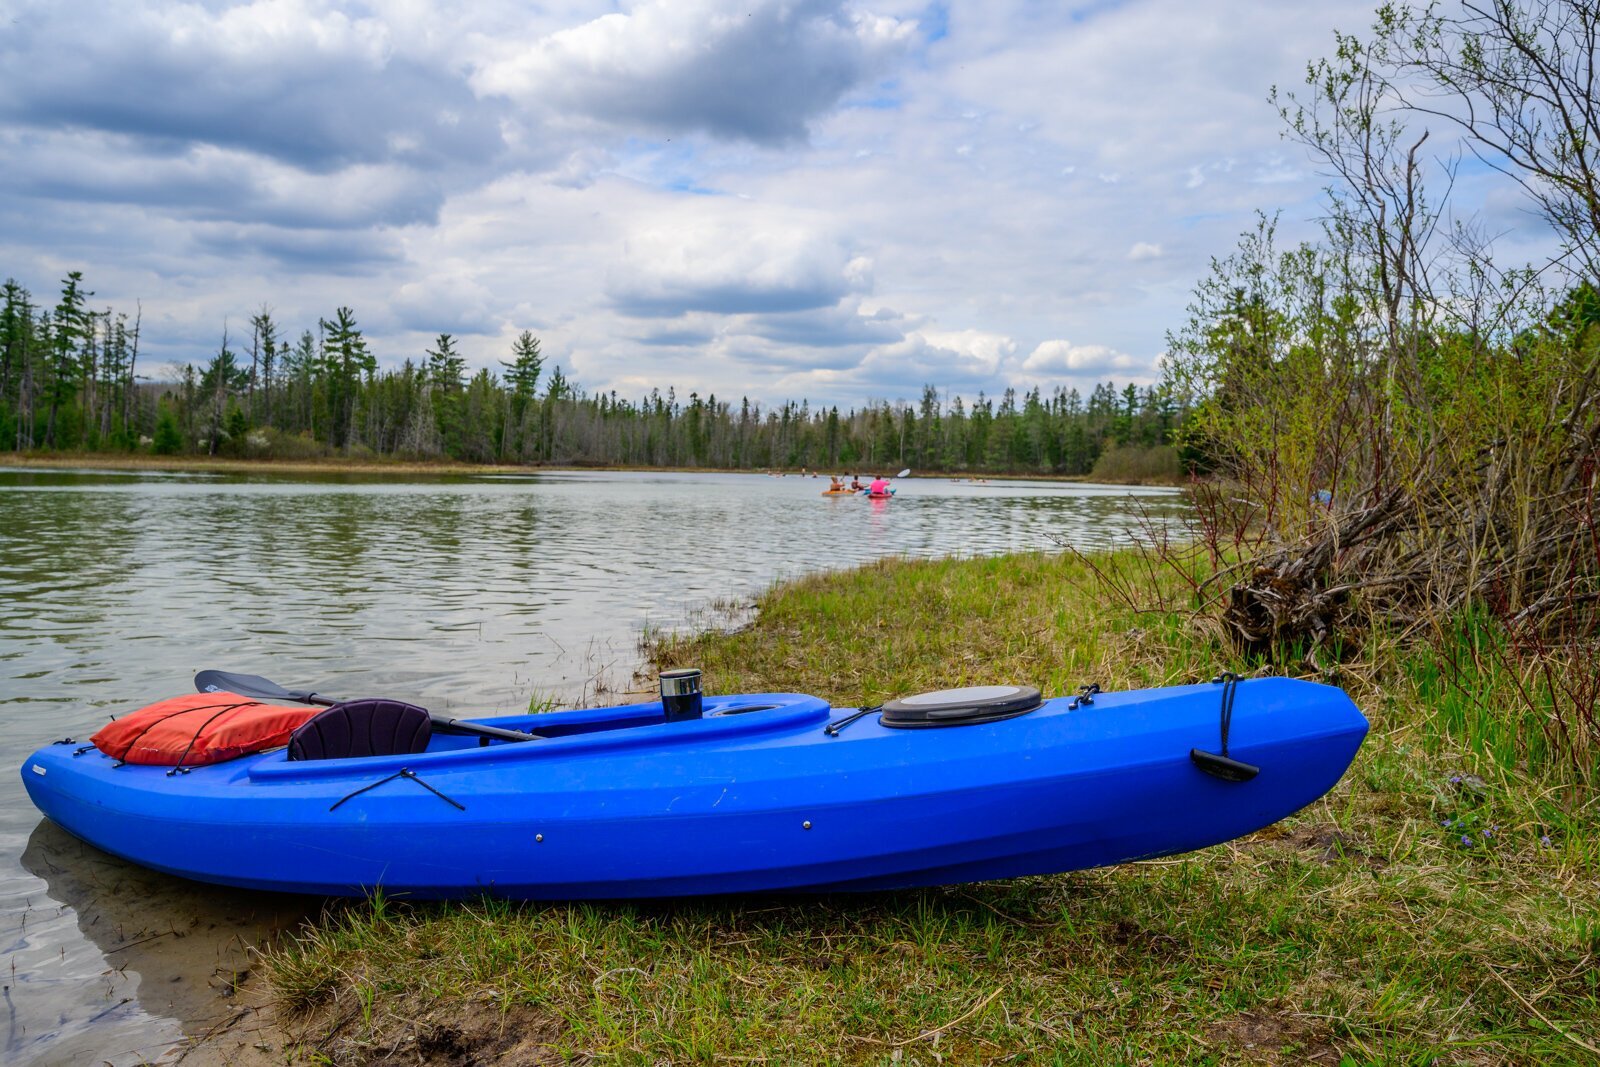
[253, 685]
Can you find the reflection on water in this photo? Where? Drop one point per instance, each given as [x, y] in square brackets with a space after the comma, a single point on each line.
[121, 954]
[466, 594]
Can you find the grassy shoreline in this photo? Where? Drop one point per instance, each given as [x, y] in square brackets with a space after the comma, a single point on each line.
[1363, 929]
[123, 461]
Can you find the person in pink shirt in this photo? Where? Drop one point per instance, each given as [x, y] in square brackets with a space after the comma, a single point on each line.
[879, 487]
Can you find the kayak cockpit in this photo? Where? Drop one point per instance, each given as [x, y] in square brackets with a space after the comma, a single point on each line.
[563, 734]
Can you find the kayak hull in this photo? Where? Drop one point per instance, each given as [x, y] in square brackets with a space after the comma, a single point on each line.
[620, 804]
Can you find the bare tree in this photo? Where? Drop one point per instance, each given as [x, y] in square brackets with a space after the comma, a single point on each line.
[1519, 80]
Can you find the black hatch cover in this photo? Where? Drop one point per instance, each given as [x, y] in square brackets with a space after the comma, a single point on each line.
[961, 707]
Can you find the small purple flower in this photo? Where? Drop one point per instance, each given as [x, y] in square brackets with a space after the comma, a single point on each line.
[1545, 840]
[1466, 840]
[1486, 833]
[1455, 779]
[1445, 823]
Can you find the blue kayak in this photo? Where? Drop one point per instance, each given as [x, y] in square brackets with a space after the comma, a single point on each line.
[768, 791]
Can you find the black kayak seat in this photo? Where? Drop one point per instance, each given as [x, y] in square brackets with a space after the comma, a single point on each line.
[960, 707]
[362, 728]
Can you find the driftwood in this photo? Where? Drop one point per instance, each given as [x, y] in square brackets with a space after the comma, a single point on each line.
[1298, 594]
[1409, 555]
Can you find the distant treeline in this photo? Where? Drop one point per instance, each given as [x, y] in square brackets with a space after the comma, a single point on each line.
[69, 382]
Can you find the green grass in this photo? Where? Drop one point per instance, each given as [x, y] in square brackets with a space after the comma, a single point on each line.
[1362, 930]
[895, 627]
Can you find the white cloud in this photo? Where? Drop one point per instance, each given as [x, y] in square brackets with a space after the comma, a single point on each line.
[297, 81]
[766, 197]
[961, 362]
[1058, 357]
[975, 349]
[728, 258]
[451, 301]
[751, 69]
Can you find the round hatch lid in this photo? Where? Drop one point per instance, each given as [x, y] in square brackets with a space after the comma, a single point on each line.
[961, 707]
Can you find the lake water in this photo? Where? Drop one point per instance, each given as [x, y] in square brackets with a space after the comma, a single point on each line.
[466, 594]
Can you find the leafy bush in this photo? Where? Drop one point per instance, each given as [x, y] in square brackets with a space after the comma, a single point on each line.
[1138, 465]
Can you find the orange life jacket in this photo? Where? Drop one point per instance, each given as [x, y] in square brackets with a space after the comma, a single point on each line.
[199, 728]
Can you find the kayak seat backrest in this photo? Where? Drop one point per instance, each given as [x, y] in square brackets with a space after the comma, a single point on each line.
[362, 728]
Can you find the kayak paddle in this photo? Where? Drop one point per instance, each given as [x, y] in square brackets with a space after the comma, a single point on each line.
[869, 495]
[253, 685]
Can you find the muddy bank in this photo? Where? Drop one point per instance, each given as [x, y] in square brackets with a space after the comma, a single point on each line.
[178, 962]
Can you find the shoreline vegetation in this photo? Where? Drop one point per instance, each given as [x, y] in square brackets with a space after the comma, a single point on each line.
[122, 461]
[1437, 903]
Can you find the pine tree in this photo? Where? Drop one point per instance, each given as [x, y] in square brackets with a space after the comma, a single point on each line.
[168, 440]
[522, 376]
[345, 361]
[69, 327]
[447, 369]
[522, 373]
[263, 355]
[445, 372]
[222, 378]
[18, 348]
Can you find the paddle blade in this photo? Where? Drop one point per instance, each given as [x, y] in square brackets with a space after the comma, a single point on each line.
[248, 685]
[904, 474]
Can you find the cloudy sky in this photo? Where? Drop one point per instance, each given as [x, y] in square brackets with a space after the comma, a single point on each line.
[814, 198]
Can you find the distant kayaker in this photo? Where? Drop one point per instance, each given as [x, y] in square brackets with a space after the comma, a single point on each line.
[835, 484]
[855, 483]
[879, 487]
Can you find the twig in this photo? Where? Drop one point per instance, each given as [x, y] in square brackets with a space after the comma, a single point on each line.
[1575, 1040]
[616, 970]
[141, 941]
[227, 1023]
[936, 1031]
[1007, 917]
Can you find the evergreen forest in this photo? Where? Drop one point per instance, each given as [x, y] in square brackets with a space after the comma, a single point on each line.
[71, 381]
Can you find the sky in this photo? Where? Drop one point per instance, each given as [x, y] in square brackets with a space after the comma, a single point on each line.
[812, 199]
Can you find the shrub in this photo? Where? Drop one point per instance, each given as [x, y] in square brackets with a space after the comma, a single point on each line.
[1138, 465]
